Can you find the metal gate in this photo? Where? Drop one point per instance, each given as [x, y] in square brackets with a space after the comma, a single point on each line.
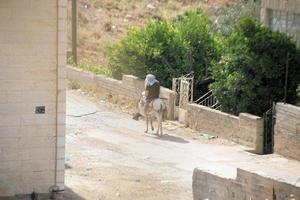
[183, 86]
[269, 123]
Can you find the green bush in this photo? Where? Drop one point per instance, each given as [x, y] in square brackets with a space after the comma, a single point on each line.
[166, 49]
[251, 72]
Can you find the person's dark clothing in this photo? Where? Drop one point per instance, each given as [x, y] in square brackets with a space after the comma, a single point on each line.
[153, 91]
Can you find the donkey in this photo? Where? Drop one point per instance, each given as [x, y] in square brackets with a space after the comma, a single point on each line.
[156, 109]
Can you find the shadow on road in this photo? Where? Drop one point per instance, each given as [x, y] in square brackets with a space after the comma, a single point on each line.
[167, 137]
[69, 194]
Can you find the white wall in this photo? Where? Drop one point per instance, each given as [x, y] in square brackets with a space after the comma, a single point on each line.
[32, 73]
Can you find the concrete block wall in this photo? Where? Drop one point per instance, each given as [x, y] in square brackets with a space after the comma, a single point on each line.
[287, 131]
[244, 129]
[246, 185]
[292, 6]
[32, 73]
[130, 87]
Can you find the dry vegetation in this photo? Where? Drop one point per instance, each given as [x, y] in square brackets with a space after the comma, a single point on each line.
[101, 22]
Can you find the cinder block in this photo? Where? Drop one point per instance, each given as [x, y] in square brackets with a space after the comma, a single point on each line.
[37, 142]
[62, 24]
[61, 118]
[62, 84]
[38, 96]
[10, 120]
[38, 131]
[60, 176]
[9, 189]
[9, 132]
[62, 48]
[62, 60]
[5, 13]
[37, 178]
[61, 151]
[62, 72]
[10, 166]
[63, 3]
[37, 165]
[60, 164]
[9, 154]
[38, 119]
[15, 3]
[62, 12]
[61, 108]
[62, 95]
[61, 185]
[33, 13]
[10, 108]
[61, 141]
[38, 152]
[61, 130]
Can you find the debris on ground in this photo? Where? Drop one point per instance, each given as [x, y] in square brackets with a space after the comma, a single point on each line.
[206, 136]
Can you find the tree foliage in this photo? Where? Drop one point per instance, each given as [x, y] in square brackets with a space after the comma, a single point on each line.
[251, 72]
[166, 48]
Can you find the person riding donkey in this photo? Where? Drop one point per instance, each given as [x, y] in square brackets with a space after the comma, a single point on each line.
[152, 90]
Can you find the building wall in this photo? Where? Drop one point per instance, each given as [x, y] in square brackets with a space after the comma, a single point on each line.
[32, 73]
[247, 185]
[244, 129]
[283, 16]
[130, 87]
[287, 131]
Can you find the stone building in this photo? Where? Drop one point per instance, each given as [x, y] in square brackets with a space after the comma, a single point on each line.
[283, 16]
[32, 96]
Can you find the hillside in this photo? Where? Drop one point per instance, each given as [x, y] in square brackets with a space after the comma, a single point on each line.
[101, 22]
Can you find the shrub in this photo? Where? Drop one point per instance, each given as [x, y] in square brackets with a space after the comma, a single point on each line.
[251, 72]
[165, 48]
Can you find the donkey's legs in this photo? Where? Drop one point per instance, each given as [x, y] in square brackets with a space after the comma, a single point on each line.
[147, 122]
[160, 124]
[151, 123]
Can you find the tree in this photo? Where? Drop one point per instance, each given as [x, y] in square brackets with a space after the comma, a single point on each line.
[166, 49]
[251, 72]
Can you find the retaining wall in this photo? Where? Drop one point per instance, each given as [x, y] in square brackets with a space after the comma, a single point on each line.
[245, 129]
[247, 185]
[287, 131]
[129, 87]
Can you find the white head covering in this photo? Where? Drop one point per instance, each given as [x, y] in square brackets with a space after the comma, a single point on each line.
[150, 80]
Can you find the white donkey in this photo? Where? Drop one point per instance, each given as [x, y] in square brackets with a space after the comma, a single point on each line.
[156, 109]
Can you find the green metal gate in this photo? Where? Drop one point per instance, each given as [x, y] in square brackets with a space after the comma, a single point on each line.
[269, 123]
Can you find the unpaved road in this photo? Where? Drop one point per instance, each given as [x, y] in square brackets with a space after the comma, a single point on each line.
[109, 157]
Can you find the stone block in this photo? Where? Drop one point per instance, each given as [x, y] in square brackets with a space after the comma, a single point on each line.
[287, 139]
[246, 185]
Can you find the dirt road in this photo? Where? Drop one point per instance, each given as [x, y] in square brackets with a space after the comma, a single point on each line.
[109, 157]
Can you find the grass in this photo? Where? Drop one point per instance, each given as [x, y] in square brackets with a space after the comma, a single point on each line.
[87, 65]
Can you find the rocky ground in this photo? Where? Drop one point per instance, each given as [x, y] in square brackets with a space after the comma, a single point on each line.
[103, 22]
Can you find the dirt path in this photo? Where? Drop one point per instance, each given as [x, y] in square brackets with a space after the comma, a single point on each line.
[109, 157]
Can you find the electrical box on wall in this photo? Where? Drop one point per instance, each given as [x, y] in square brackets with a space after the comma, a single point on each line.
[40, 110]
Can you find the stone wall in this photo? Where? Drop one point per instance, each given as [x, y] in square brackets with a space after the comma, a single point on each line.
[287, 131]
[292, 6]
[32, 73]
[247, 185]
[130, 87]
[244, 129]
